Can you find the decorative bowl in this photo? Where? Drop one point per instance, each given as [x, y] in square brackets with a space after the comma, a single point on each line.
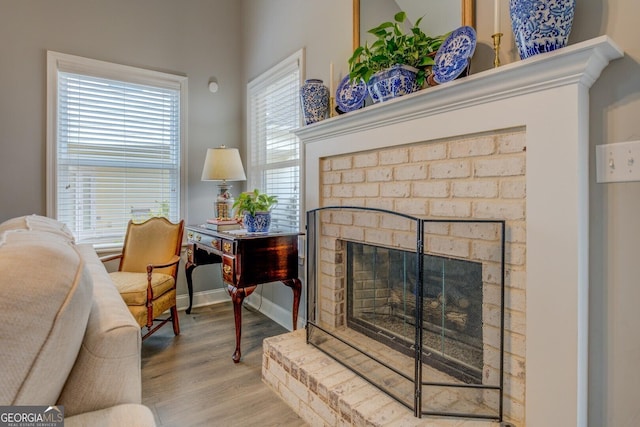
[392, 82]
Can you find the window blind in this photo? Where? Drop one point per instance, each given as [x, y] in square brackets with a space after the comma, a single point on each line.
[117, 155]
[274, 152]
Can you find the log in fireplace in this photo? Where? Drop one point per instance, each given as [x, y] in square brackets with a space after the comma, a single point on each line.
[413, 305]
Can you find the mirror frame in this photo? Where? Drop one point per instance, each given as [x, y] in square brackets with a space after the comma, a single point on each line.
[467, 18]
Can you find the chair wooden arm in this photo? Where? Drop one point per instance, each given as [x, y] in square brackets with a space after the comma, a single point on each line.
[172, 261]
[110, 257]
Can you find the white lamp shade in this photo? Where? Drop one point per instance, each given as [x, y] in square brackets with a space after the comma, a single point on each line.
[223, 164]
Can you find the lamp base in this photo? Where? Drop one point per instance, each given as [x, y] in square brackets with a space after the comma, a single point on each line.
[224, 203]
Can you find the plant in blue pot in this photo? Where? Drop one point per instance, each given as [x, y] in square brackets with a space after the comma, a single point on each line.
[255, 208]
[395, 63]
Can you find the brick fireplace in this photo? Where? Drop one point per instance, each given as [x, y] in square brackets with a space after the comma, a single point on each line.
[508, 144]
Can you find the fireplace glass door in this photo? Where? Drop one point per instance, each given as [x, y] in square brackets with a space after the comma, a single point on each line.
[381, 303]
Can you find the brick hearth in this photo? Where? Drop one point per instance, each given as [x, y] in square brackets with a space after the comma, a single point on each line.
[325, 393]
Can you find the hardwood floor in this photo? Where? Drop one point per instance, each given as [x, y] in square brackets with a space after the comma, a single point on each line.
[190, 380]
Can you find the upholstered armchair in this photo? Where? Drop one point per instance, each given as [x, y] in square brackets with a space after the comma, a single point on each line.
[148, 269]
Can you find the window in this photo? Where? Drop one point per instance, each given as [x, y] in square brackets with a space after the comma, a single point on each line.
[114, 146]
[273, 151]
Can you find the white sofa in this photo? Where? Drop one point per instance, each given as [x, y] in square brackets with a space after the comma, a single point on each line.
[66, 336]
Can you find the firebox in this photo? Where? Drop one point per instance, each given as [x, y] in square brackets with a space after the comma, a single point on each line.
[413, 305]
[381, 303]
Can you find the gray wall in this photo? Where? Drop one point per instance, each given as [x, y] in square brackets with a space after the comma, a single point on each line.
[275, 28]
[615, 222]
[196, 38]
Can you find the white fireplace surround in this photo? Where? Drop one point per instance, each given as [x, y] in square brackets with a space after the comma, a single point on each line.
[547, 95]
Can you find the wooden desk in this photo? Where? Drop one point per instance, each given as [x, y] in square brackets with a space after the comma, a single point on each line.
[247, 261]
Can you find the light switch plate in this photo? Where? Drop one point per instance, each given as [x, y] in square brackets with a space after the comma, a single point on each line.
[619, 162]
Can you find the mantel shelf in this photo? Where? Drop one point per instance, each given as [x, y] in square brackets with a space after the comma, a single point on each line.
[582, 62]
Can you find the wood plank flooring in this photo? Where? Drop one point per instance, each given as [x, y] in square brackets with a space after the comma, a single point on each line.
[190, 380]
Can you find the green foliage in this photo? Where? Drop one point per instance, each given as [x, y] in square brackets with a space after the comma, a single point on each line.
[163, 209]
[143, 214]
[255, 201]
[395, 46]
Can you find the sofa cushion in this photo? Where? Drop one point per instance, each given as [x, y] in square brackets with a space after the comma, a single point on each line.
[107, 370]
[37, 223]
[46, 299]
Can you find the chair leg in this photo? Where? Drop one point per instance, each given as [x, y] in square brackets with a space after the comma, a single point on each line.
[176, 322]
[149, 315]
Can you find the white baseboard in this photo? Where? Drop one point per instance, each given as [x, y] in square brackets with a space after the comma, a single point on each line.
[275, 312]
[203, 298]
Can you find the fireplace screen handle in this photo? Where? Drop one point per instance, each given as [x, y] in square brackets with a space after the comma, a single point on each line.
[389, 337]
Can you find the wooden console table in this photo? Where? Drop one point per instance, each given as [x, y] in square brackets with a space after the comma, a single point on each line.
[247, 260]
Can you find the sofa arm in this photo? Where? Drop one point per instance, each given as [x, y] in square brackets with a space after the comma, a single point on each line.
[107, 370]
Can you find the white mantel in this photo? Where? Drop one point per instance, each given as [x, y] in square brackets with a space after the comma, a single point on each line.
[548, 96]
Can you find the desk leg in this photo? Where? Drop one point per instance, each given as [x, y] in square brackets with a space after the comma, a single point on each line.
[296, 287]
[237, 296]
[188, 269]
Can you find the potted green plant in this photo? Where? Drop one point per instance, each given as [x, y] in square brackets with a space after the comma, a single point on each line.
[255, 209]
[409, 53]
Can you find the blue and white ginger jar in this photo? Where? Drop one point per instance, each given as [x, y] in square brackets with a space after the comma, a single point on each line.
[541, 25]
[392, 82]
[314, 97]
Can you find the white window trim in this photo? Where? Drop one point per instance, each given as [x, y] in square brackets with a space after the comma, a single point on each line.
[264, 77]
[57, 61]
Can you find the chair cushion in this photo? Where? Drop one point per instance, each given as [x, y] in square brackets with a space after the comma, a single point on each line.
[38, 223]
[133, 286]
[160, 305]
[46, 299]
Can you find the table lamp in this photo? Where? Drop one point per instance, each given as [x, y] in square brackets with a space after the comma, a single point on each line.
[223, 164]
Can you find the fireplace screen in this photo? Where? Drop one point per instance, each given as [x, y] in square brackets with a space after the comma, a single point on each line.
[413, 305]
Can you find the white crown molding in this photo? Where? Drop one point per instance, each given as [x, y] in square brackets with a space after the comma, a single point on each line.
[582, 62]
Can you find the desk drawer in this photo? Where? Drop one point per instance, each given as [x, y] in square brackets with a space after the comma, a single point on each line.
[228, 269]
[228, 247]
[211, 241]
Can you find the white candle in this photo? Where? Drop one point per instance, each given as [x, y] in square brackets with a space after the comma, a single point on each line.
[331, 88]
[496, 16]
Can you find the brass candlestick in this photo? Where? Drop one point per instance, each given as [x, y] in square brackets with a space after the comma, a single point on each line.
[496, 49]
[332, 106]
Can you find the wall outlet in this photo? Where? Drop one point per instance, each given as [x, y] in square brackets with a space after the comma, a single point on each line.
[619, 162]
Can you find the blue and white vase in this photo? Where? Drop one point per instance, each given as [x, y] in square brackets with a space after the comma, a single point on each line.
[392, 82]
[541, 25]
[258, 223]
[314, 97]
